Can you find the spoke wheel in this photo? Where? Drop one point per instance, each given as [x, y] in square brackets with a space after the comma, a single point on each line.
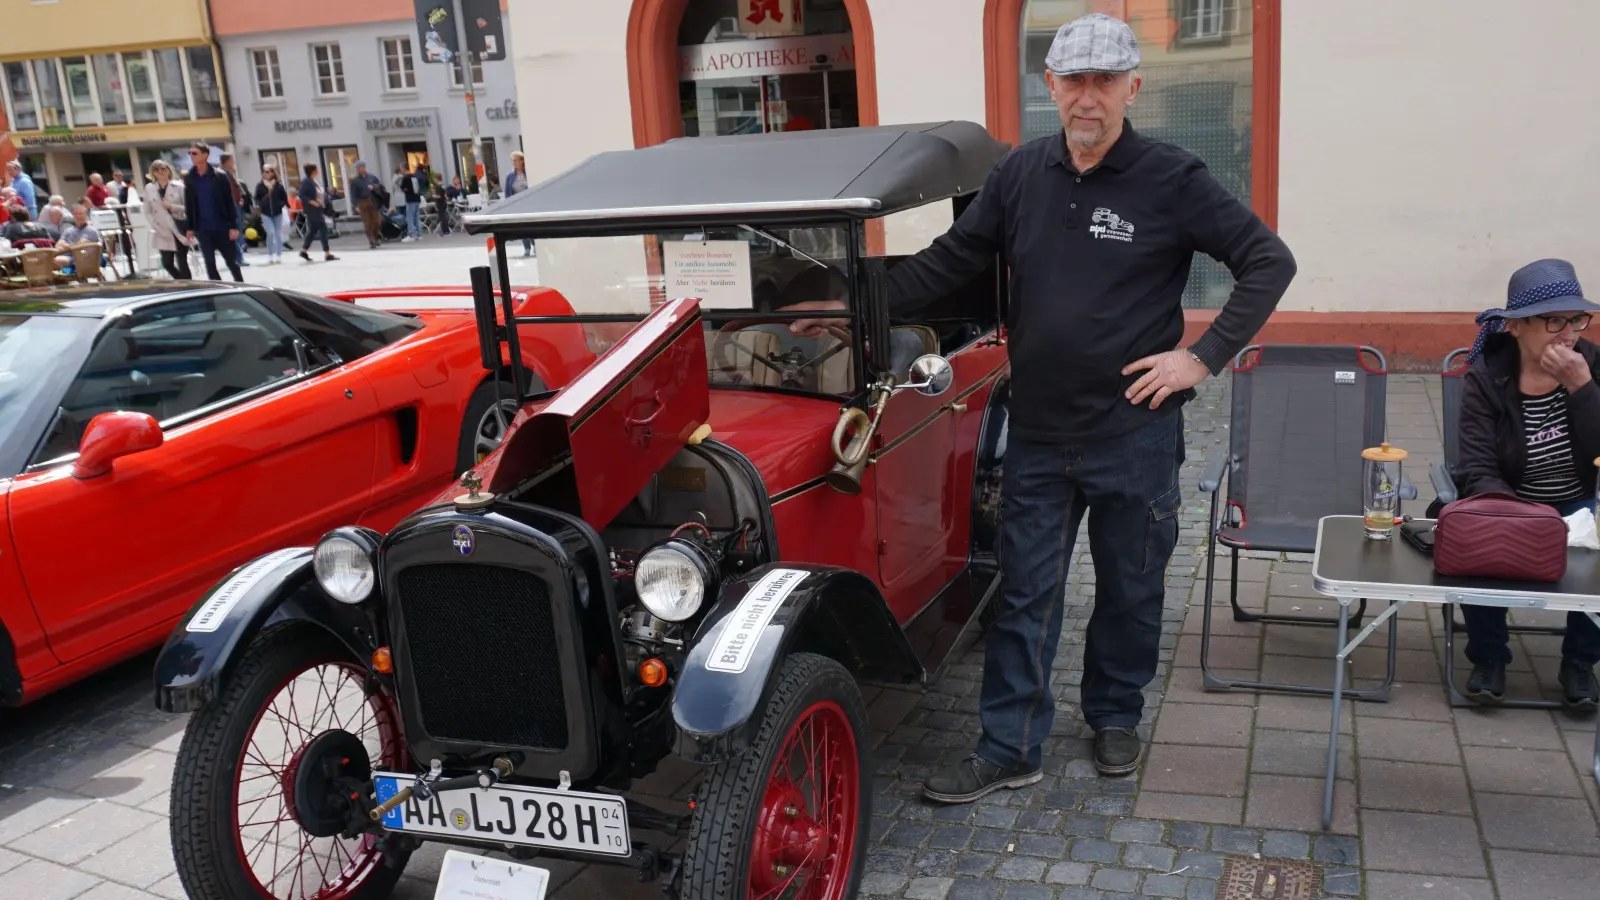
[786, 821]
[254, 755]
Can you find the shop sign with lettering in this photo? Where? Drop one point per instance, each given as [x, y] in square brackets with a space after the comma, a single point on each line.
[771, 18]
[62, 137]
[777, 56]
[382, 123]
[291, 125]
[506, 110]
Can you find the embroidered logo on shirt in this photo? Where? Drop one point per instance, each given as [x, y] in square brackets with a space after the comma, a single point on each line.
[1109, 225]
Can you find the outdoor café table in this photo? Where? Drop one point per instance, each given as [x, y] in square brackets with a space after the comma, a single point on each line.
[1348, 567]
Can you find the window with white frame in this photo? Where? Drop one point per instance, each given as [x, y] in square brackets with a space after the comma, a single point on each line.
[477, 74]
[399, 70]
[328, 66]
[269, 78]
[1208, 20]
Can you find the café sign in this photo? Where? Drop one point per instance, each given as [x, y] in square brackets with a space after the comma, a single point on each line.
[776, 56]
[506, 110]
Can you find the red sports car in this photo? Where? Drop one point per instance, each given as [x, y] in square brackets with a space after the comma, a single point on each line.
[176, 431]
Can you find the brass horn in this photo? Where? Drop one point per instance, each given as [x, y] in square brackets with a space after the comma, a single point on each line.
[845, 476]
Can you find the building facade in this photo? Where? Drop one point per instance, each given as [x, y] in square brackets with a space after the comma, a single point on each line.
[332, 83]
[1355, 128]
[89, 91]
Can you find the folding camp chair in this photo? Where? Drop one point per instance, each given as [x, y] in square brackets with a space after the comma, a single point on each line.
[1444, 477]
[1301, 417]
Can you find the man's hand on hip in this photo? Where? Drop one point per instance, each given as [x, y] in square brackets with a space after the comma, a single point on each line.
[1169, 372]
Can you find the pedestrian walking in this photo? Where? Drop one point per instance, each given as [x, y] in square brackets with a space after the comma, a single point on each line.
[1098, 225]
[314, 202]
[364, 190]
[212, 214]
[411, 191]
[165, 208]
[516, 183]
[23, 185]
[241, 202]
[272, 201]
[118, 188]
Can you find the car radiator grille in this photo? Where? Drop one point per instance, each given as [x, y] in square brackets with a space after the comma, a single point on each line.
[483, 655]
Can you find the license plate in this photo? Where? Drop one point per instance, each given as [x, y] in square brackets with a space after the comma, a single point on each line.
[512, 814]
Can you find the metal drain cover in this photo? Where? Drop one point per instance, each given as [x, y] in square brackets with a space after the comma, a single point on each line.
[1269, 879]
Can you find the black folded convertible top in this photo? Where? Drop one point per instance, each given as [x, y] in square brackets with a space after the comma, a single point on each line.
[787, 177]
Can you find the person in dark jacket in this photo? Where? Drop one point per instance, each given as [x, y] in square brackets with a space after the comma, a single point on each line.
[272, 198]
[213, 216]
[314, 200]
[1530, 426]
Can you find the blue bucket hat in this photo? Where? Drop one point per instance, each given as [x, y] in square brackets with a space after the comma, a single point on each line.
[1536, 289]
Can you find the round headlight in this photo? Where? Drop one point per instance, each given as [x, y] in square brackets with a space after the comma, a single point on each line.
[671, 580]
[344, 566]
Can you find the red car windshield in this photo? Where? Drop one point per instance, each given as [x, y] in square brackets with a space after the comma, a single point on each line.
[39, 355]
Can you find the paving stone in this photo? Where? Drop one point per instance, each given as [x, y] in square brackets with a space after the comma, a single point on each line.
[31, 811]
[1500, 770]
[1144, 831]
[992, 840]
[889, 859]
[10, 860]
[1021, 868]
[1043, 821]
[1145, 856]
[134, 781]
[1042, 845]
[1422, 843]
[1292, 713]
[1191, 835]
[1540, 876]
[928, 888]
[1285, 845]
[1240, 841]
[970, 863]
[1285, 803]
[994, 816]
[908, 834]
[1108, 806]
[85, 832]
[1214, 771]
[1302, 753]
[950, 837]
[882, 884]
[1342, 882]
[1190, 807]
[1086, 825]
[1419, 702]
[1199, 865]
[1029, 892]
[108, 890]
[1194, 723]
[934, 863]
[1537, 823]
[1396, 886]
[1523, 729]
[38, 879]
[1116, 880]
[1409, 741]
[973, 889]
[1201, 889]
[1188, 686]
[1068, 873]
[1336, 849]
[1226, 652]
[1414, 787]
[1095, 850]
[1165, 886]
[140, 860]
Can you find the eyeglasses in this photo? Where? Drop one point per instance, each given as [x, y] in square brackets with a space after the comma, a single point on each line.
[195, 153]
[1555, 324]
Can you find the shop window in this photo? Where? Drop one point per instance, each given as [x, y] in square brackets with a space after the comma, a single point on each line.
[287, 162]
[337, 164]
[1197, 97]
[169, 78]
[24, 116]
[269, 77]
[399, 69]
[467, 166]
[477, 74]
[80, 91]
[141, 87]
[52, 102]
[108, 82]
[328, 66]
[203, 83]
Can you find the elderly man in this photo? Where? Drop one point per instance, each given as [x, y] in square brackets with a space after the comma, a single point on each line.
[78, 233]
[364, 187]
[1098, 225]
[23, 185]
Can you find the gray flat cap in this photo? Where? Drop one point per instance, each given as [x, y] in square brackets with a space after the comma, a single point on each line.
[1094, 43]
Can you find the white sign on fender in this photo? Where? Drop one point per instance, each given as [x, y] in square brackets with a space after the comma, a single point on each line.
[465, 876]
[742, 630]
[222, 601]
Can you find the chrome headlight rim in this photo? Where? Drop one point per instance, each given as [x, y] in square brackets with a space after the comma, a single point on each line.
[350, 543]
[694, 560]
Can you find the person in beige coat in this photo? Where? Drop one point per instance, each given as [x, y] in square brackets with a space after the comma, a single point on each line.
[163, 200]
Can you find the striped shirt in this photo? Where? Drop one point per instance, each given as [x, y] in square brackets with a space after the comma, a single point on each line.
[1550, 476]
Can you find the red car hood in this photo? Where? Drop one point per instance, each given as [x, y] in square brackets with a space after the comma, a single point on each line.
[788, 438]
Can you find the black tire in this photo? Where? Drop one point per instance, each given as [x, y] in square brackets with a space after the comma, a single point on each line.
[478, 406]
[722, 837]
[205, 835]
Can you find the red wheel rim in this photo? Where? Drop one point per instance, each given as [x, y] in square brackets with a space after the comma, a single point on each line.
[282, 861]
[806, 824]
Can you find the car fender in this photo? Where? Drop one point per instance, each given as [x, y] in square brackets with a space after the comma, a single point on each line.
[277, 587]
[757, 620]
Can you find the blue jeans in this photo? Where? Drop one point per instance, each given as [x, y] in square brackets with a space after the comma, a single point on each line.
[1489, 640]
[271, 224]
[414, 219]
[213, 243]
[1129, 486]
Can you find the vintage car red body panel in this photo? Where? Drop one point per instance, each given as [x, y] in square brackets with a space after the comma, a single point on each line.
[278, 471]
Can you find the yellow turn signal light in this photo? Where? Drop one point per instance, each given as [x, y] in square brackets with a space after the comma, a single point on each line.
[653, 672]
[383, 661]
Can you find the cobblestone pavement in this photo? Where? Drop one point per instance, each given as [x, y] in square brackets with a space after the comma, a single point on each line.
[1432, 802]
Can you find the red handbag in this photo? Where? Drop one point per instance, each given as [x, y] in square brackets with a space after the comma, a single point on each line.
[1500, 536]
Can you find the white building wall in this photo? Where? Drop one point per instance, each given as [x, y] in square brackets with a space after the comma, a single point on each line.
[1429, 148]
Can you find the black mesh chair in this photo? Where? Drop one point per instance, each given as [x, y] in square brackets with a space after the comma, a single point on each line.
[1301, 417]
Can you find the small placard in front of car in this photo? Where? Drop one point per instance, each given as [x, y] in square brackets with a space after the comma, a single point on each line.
[467, 877]
[742, 629]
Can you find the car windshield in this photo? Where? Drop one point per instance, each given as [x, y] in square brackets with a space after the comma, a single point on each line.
[731, 269]
[38, 357]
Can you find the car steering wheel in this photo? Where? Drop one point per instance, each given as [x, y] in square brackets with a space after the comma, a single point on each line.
[791, 365]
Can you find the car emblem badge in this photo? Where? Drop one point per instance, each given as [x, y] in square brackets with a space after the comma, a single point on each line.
[462, 540]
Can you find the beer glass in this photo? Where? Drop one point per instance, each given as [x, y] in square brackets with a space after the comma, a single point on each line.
[1380, 477]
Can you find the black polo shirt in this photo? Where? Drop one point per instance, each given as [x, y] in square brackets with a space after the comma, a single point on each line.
[1099, 261]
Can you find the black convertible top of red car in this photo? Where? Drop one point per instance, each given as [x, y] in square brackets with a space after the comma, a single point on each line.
[780, 178]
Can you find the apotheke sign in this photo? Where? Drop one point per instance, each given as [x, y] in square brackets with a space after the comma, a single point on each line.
[778, 56]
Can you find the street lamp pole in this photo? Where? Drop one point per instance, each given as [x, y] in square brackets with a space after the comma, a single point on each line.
[464, 57]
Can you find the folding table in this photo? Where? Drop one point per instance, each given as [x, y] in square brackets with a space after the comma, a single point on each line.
[1347, 567]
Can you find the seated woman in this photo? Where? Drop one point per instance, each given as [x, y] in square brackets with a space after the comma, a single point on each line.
[1530, 426]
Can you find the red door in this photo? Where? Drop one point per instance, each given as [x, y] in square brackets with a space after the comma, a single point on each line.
[250, 471]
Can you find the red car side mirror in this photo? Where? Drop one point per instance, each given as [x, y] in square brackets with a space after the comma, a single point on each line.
[111, 436]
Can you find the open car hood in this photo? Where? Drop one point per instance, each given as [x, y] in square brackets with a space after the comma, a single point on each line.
[596, 443]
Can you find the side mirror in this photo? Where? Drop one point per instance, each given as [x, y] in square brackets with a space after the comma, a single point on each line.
[111, 436]
[930, 375]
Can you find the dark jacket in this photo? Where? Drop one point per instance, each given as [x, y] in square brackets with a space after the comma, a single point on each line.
[221, 197]
[1493, 451]
[271, 203]
[308, 196]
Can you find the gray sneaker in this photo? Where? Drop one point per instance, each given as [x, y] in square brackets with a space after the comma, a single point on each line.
[975, 777]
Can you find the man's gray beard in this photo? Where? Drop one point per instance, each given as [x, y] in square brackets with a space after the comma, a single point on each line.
[1086, 140]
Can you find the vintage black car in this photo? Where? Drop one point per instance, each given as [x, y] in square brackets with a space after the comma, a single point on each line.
[697, 547]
